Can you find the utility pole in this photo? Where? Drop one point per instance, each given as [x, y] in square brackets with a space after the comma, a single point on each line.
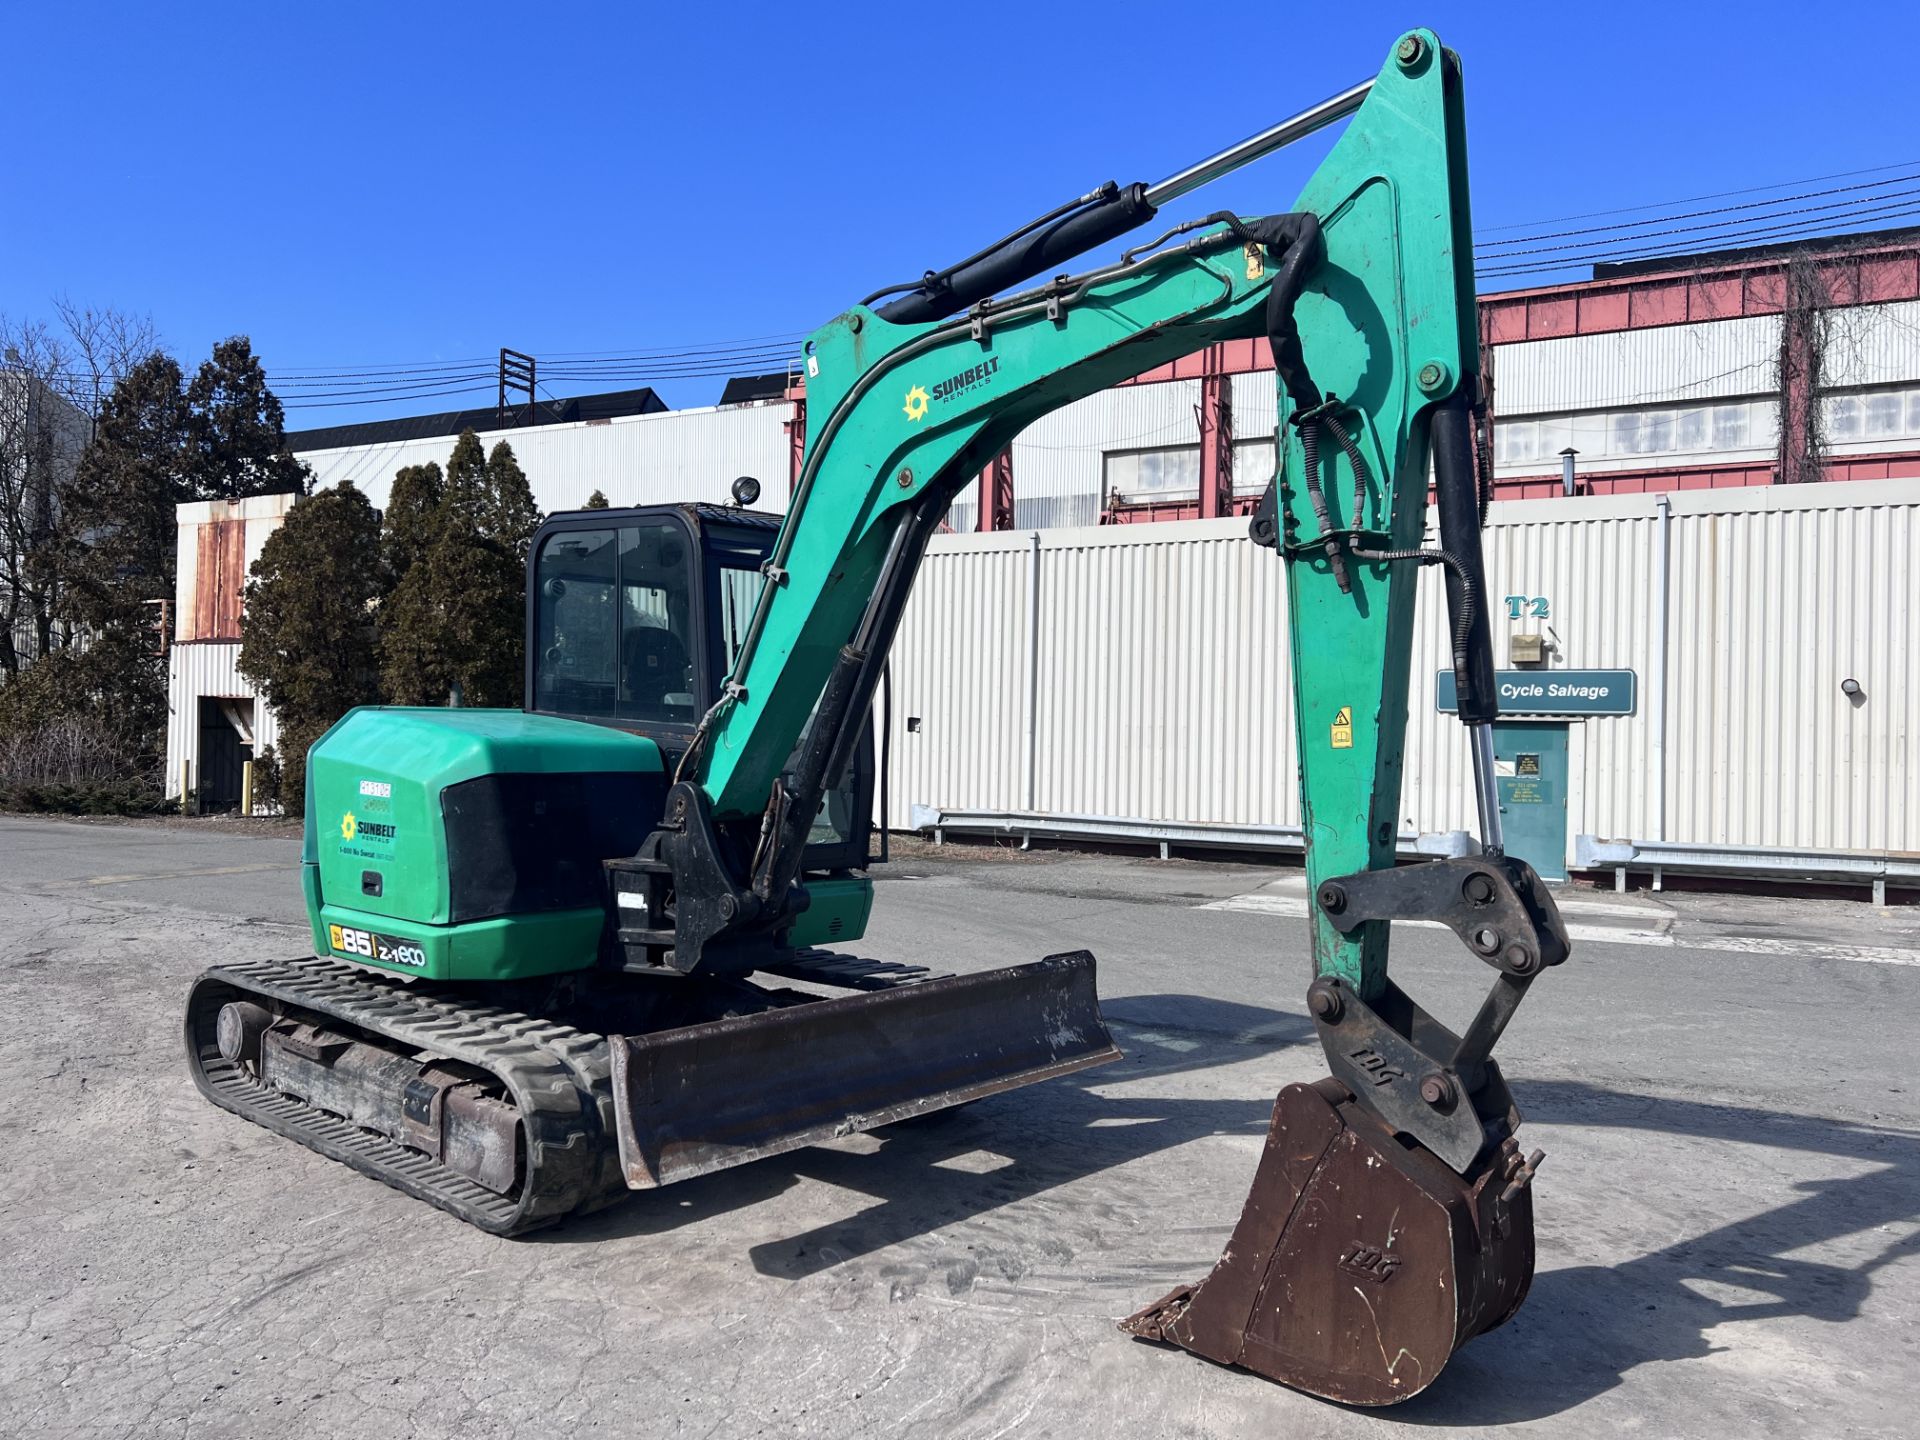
[516, 371]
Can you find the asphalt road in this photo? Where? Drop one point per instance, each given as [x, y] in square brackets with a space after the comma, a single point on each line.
[1729, 1215]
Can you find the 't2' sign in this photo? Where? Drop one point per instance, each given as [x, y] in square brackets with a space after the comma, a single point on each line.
[1527, 607]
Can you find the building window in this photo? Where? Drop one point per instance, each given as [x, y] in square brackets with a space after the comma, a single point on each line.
[1516, 441]
[1730, 427]
[1138, 476]
[1885, 415]
[1624, 434]
[1843, 417]
[1252, 466]
[1874, 415]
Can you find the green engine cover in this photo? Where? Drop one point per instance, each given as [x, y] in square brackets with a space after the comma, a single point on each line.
[467, 844]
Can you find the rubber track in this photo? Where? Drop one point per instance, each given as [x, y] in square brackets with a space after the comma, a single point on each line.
[558, 1078]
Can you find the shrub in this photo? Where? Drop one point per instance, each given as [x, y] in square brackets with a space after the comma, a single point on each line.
[69, 766]
[267, 779]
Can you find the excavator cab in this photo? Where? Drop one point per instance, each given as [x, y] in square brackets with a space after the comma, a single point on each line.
[634, 620]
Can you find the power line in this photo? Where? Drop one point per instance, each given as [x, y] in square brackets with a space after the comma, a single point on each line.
[1771, 205]
[1772, 234]
[482, 387]
[1834, 211]
[1697, 199]
[1780, 217]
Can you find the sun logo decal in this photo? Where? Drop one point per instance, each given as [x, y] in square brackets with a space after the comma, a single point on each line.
[348, 826]
[916, 406]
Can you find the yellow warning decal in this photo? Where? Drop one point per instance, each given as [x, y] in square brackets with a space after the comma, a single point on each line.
[1343, 728]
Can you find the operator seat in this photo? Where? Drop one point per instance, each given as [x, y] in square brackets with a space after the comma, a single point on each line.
[654, 664]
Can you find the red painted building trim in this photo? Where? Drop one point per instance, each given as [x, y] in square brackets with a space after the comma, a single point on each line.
[1730, 290]
[796, 437]
[996, 494]
[1702, 477]
[1216, 445]
[1680, 297]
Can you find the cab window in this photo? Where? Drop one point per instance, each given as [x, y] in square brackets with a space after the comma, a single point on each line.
[614, 624]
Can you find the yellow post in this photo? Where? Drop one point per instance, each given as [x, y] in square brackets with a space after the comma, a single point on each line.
[246, 787]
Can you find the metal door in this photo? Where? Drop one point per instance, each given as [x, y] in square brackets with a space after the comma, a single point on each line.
[1530, 760]
[222, 753]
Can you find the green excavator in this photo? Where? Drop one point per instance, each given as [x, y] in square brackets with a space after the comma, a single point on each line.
[595, 945]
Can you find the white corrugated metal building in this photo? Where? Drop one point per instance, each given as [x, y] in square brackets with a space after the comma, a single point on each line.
[649, 459]
[215, 720]
[1148, 686]
[1131, 678]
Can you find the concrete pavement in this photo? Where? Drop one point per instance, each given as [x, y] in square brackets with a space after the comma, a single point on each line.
[1729, 1213]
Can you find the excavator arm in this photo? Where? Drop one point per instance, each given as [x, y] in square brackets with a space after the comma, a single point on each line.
[1366, 289]
[1365, 292]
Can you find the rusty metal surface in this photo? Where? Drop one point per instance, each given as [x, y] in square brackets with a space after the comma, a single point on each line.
[704, 1097]
[1405, 1067]
[433, 1108]
[1359, 1264]
[220, 575]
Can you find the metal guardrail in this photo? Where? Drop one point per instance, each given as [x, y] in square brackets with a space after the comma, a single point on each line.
[1030, 825]
[1874, 867]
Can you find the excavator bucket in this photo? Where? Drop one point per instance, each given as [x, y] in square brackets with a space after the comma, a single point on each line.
[704, 1097]
[1360, 1262]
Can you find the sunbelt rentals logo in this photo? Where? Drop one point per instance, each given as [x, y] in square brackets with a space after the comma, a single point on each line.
[918, 398]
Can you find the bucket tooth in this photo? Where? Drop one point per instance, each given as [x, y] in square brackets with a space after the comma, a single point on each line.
[703, 1097]
[1360, 1262]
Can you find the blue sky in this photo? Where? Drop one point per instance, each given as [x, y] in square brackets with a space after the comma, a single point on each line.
[378, 185]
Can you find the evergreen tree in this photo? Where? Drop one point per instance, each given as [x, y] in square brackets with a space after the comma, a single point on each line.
[308, 639]
[595, 501]
[237, 433]
[116, 538]
[456, 616]
[113, 550]
[509, 516]
[412, 517]
[157, 442]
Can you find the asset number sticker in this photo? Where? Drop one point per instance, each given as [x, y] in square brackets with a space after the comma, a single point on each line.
[366, 945]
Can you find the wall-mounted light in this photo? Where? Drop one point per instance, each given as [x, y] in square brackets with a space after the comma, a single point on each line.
[1850, 688]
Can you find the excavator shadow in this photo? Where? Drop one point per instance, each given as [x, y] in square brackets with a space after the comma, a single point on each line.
[1047, 1135]
[1586, 1326]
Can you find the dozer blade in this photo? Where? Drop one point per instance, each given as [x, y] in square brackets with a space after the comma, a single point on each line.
[1360, 1262]
[703, 1097]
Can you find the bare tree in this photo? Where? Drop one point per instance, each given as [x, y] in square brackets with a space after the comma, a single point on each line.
[53, 380]
[100, 347]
